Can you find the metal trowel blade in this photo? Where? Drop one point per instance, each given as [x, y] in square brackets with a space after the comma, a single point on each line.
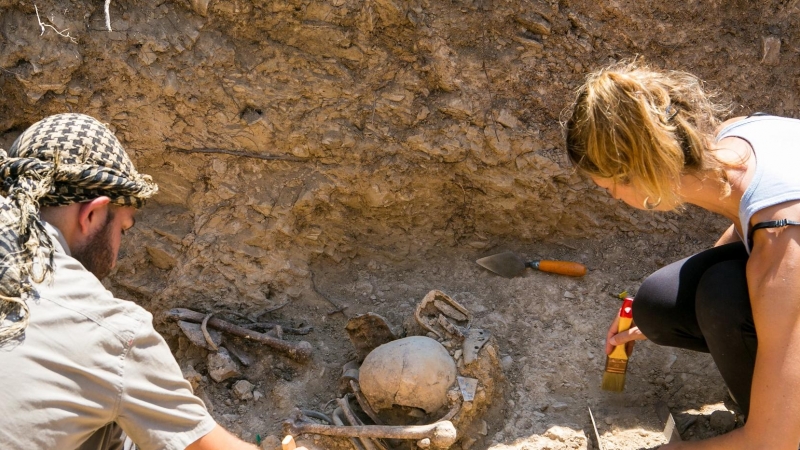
[670, 428]
[506, 264]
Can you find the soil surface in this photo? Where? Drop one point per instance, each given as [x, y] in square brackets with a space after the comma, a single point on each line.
[349, 155]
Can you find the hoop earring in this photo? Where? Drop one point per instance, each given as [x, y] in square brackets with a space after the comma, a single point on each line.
[648, 206]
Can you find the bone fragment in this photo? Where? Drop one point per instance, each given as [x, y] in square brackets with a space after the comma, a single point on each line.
[299, 351]
[351, 417]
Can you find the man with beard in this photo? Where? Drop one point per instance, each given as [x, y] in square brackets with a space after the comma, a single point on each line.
[78, 366]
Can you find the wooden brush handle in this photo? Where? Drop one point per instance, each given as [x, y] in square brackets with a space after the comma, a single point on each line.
[288, 443]
[569, 268]
[625, 321]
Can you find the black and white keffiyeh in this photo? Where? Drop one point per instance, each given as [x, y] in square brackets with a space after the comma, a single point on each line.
[60, 160]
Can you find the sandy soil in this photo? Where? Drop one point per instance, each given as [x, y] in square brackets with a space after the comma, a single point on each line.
[550, 330]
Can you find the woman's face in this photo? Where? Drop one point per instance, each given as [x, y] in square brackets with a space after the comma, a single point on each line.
[628, 194]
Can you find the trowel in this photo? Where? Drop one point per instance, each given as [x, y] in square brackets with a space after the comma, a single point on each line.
[509, 265]
[671, 432]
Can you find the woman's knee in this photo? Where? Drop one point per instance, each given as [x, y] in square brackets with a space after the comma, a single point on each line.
[654, 305]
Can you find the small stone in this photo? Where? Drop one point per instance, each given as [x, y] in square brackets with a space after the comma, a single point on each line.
[243, 390]
[772, 51]
[506, 362]
[221, 366]
[559, 406]
[559, 433]
[722, 421]
[252, 115]
[568, 294]
[271, 443]
[257, 395]
[534, 23]
[170, 84]
[192, 376]
[506, 119]
[483, 428]
[395, 97]
[424, 443]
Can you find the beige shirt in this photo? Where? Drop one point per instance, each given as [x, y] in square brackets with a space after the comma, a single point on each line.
[88, 359]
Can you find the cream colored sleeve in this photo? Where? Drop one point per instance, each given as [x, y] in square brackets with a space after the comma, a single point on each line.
[157, 408]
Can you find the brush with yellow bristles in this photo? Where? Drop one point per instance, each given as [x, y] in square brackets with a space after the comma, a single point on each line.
[617, 361]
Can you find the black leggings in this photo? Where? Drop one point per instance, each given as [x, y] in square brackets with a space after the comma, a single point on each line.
[701, 303]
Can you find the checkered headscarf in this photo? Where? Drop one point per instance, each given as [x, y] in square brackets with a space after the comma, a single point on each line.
[62, 159]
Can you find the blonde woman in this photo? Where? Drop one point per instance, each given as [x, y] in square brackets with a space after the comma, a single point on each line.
[654, 140]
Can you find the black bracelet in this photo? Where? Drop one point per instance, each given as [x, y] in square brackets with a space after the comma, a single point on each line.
[770, 224]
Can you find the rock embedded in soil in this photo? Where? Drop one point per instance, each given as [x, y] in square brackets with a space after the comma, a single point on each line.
[243, 390]
[221, 366]
[192, 376]
[722, 421]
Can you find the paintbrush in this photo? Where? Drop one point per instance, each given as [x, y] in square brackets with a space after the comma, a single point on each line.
[617, 361]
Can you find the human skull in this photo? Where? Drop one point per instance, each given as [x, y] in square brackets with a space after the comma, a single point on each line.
[415, 371]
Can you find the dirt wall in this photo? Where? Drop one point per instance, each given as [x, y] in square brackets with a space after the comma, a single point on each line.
[290, 129]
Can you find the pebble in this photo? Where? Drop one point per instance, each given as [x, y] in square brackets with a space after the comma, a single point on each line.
[722, 421]
[506, 362]
[559, 406]
[192, 376]
[559, 433]
[483, 428]
[568, 294]
[271, 442]
[221, 366]
[772, 51]
[243, 390]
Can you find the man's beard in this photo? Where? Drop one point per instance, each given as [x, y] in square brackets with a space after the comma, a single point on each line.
[96, 256]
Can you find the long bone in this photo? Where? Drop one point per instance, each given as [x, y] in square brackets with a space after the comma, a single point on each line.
[299, 351]
[442, 434]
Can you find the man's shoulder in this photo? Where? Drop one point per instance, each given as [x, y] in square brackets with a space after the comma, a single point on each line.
[76, 292]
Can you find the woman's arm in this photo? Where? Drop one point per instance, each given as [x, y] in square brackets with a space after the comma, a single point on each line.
[773, 278]
[728, 236]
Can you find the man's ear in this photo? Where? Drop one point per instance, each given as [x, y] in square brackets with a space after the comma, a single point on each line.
[92, 215]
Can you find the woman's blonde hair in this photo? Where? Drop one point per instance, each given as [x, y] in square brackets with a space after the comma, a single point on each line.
[634, 124]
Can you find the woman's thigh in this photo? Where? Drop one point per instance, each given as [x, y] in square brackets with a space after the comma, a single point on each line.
[665, 306]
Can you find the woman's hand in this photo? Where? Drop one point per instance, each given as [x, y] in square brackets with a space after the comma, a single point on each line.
[614, 337]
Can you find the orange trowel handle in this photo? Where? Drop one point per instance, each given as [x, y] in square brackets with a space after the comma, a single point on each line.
[569, 268]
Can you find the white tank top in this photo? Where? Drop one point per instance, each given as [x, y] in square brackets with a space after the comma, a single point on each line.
[776, 146]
